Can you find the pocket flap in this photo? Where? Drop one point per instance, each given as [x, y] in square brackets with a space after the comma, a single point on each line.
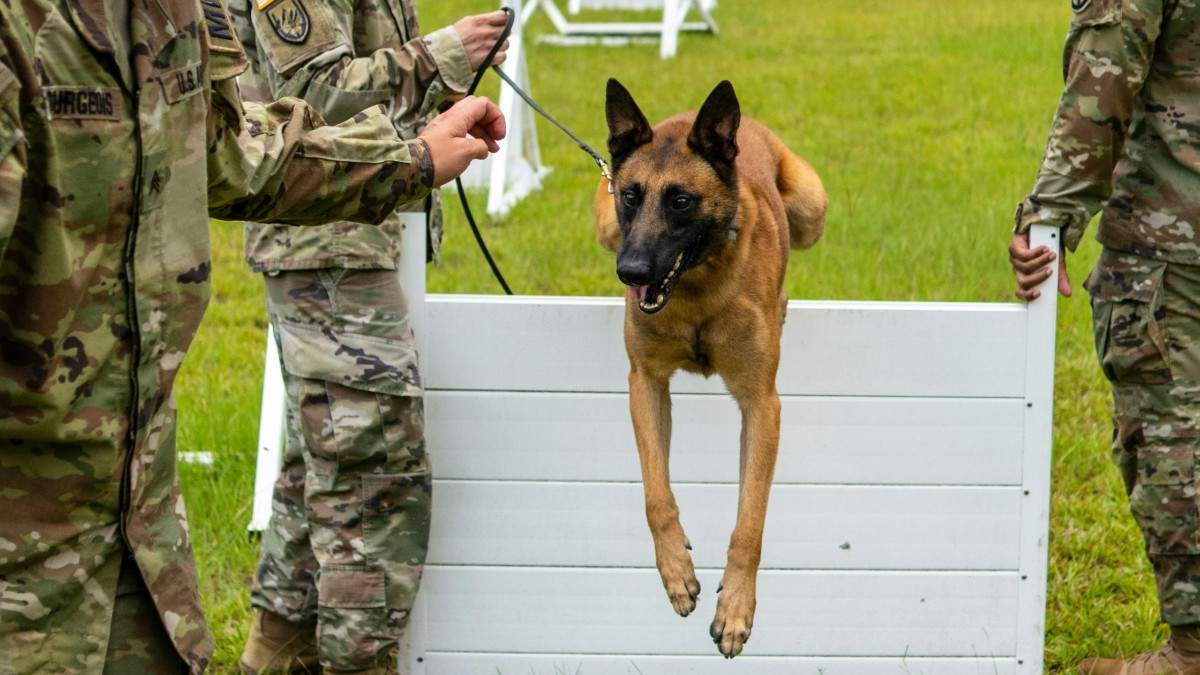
[356, 361]
[352, 587]
[1119, 276]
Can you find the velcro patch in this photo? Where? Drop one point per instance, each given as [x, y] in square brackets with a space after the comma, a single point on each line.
[290, 20]
[1080, 5]
[83, 103]
[182, 82]
[220, 25]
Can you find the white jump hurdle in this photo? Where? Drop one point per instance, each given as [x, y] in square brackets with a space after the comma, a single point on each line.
[908, 524]
[674, 20]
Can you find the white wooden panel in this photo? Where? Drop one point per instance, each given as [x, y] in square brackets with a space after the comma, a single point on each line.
[625, 611]
[533, 436]
[829, 348]
[810, 527]
[451, 663]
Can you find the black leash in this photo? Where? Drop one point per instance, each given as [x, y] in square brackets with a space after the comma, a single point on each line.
[462, 194]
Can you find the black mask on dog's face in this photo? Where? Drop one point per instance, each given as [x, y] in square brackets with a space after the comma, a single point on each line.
[675, 189]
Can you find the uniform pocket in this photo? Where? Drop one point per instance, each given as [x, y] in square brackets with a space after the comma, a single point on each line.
[365, 362]
[1127, 315]
[396, 517]
[353, 630]
[1163, 501]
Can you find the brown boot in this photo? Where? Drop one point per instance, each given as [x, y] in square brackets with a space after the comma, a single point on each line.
[1180, 656]
[277, 645]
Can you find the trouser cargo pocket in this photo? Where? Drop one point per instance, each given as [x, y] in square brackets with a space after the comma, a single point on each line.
[1128, 316]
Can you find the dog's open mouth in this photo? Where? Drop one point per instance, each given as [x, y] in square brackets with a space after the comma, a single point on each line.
[650, 299]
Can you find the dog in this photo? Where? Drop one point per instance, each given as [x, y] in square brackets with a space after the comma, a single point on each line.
[703, 210]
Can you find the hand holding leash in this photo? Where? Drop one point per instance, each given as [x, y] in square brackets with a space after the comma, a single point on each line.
[479, 33]
[450, 147]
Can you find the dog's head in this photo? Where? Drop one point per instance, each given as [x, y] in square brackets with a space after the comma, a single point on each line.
[675, 188]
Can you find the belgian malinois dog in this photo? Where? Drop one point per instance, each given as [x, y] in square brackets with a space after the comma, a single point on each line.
[705, 207]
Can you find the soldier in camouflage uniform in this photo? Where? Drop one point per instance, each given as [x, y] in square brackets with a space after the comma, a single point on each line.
[1126, 140]
[342, 557]
[121, 131]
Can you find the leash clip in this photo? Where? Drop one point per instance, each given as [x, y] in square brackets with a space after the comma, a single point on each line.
[607, 173]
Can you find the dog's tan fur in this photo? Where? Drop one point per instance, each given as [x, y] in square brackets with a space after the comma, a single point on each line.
[725, 317]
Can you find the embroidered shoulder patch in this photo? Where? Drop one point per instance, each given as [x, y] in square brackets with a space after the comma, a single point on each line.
[290, 20]
[1080, 5]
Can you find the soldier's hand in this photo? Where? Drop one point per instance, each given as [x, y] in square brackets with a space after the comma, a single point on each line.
[479, 34]
[450, 146]
[1032, 266]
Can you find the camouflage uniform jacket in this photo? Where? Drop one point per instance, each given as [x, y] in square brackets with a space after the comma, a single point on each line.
[121, 131]
[342, 56]
[1127, 132]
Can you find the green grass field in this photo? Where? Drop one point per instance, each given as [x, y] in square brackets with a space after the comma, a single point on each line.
[926, 120]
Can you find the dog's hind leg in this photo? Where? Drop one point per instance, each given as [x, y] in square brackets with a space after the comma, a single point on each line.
[760, 443]
[650, 408]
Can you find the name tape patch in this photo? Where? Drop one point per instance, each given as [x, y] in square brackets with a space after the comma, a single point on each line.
[83, 103]
[220, 25]
[182, 82]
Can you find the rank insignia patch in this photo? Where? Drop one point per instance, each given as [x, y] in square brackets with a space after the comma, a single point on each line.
[1080, 5]
[289, 19]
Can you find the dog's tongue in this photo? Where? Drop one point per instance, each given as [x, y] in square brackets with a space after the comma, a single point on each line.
[638, 292]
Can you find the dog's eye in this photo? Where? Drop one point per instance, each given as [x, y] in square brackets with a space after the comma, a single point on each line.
[629, 198]
[681, 203]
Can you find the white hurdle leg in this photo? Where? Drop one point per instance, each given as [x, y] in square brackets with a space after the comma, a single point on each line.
[1042, 316]
[671, 19]
[270, 437]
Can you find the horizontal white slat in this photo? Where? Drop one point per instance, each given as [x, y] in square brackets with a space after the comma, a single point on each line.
[454, 663]
[604, 524]
[534, 436]
[829, 348]
[625, 611]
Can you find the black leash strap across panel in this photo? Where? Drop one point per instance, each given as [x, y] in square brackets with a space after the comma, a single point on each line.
[462, 194]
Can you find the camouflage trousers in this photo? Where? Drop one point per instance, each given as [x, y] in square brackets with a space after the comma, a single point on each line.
[350, 517]
[1146, 316]
[138, 644]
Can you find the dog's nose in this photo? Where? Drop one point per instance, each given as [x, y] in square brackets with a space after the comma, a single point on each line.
[634, 272]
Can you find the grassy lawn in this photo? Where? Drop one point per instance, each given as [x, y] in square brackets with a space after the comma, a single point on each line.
[926, 120]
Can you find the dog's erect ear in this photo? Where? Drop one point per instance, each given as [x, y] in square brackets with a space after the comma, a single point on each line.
[628, 129]
[714, 134]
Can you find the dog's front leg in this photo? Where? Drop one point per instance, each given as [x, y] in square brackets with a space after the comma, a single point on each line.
[760, 443]
[650, 408]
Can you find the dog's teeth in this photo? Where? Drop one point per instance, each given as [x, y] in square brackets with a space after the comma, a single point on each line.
[659, 299]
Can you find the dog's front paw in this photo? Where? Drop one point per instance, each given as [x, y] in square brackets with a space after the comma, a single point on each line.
[730, 629]
[679, 577]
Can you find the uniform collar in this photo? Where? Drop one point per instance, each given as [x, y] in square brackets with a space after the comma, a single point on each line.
[92, 23]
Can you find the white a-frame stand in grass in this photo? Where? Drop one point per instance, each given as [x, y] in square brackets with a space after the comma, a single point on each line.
[674, 20]
[909, 518]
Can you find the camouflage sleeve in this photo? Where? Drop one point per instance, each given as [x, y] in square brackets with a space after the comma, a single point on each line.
[1107, 56]
[12, 155]
[309, 53]
[277, 163]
